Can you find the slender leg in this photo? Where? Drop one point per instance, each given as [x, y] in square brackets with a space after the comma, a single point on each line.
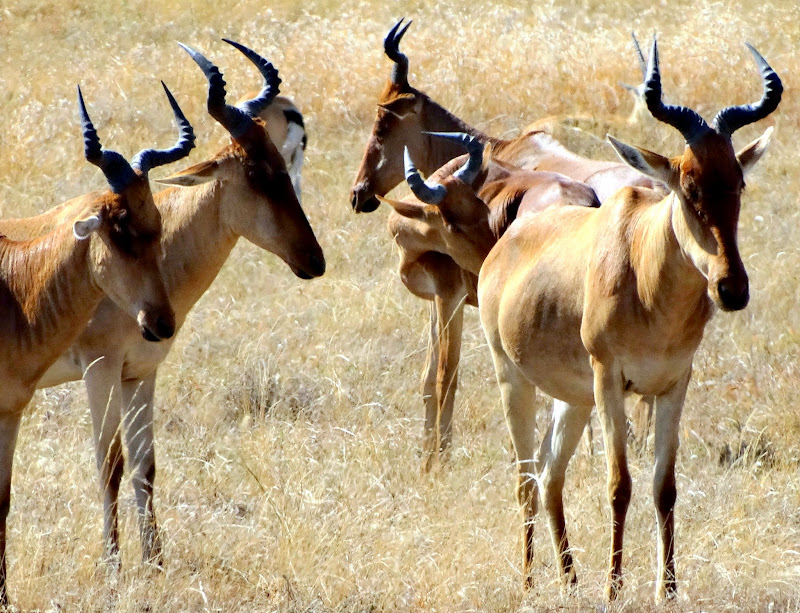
[668, 415]
[103, 384]
[429, 441]
[137, 402]
[9, 427]
[557, 448]
[518, 396]
[451, 322]
[609, 395]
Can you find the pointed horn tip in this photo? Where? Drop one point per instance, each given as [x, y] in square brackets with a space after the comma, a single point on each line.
[81, 103]
[753, 50]
[450, 135]
[236, 45]
[404, 30]
[190, 50]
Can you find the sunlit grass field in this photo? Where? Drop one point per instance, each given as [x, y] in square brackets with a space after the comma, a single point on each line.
[289, 415]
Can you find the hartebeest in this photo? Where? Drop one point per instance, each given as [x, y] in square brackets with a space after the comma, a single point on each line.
[406, 117]
[51, 285]
[445, 232]
[244, 190]
[590, 305]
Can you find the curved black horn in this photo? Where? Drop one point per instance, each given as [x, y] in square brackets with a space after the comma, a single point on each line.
[684, 119]
[233, 119]
[469, 171]
[116, 169]
[391, 46]
[732, 118]
[148, 159]
[271, 81]
[429, 194]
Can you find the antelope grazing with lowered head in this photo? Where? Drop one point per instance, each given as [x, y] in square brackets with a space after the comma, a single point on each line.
[406, 118]
[445, 232]
[589, 305]
[242, 191]
[51, 285]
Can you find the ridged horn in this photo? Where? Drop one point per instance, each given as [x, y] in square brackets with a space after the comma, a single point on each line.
[391, 46]
[469, 171]
[429, 194]
[684, 119]
[116, 169]
[271, 85]
[233, 119]
[640, 56]
[730, 119]
[148, 159]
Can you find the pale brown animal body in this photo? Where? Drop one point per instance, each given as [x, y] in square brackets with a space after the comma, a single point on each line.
[242, 191]
[51, 285]
[590, 305]
[405, 118]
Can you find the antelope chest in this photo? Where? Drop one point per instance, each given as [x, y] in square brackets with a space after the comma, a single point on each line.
[142, 358]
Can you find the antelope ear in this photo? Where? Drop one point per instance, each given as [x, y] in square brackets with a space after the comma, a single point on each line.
[194, 175]
[647, 162]
[401, 105]
[410, 210]
[752, 153]
[83, 228]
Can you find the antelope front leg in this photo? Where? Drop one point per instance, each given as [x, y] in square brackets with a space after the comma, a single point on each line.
[668, 414]
[137, 402]
[610, 399]
[558, 446]
[9, 427]
[102, 377]
[430, 441]
[450, 323]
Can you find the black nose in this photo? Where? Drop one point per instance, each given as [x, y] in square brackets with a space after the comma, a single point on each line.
[733, 296]
[317, 265]
[164, 328]
[363, 205]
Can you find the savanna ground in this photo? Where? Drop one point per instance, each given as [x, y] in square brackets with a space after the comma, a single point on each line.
[289, 416]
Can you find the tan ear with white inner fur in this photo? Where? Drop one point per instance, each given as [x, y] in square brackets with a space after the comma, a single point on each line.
[84, 228]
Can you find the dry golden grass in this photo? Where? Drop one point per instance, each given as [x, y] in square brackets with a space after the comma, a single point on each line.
[289, 417]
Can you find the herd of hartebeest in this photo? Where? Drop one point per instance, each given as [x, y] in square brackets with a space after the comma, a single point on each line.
[594, 279]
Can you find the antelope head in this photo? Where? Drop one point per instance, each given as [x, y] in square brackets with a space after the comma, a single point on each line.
[707, 178]
[124, 226]
[404, 115]
[261, 203]
[455, 218]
